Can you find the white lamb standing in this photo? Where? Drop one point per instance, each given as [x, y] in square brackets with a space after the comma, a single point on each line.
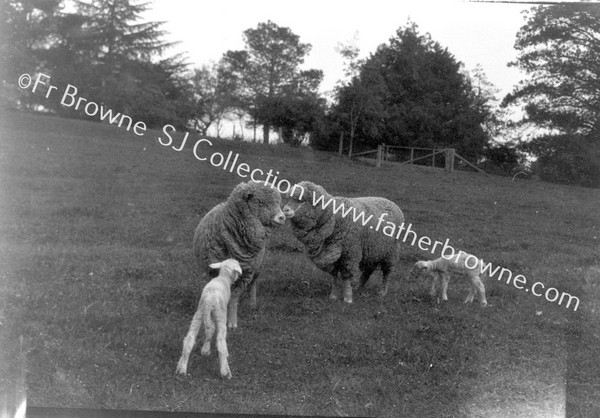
[441, 268]
[212, 312]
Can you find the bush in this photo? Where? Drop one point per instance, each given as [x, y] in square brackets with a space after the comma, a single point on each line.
[568, 159]
[501, 160]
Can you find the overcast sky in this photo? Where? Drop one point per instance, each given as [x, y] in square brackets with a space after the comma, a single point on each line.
[474, 33]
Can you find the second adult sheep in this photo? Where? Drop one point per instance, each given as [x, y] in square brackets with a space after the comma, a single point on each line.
[345, 245]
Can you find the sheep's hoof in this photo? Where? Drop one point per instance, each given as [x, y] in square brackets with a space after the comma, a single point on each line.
[349, 300]
[231, 325]
[333, 297]
[226, 375]
[181, 369]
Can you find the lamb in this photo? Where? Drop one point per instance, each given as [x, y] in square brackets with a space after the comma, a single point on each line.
[239, 228]
[443, 267]
[345, 245]
[212, 312]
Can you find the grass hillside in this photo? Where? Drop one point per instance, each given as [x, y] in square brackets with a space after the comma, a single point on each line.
[98, 286]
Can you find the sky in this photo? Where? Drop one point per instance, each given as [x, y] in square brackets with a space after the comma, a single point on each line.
[475, 33]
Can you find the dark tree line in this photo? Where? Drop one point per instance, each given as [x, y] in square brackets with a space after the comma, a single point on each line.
[411, 91]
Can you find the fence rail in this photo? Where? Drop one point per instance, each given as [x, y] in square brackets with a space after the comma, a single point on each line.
[385, 153]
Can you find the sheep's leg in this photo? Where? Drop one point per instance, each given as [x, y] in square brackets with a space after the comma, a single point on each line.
[189, 341]
[471, 294]
[364, 277]
[252, 291]
[236, 291]
[347, 285]
[480, 288]
[347, 289]
[335, 287]
[222, 347]
[445, 280]
[387, 271]
[209, 331]
[436, 278]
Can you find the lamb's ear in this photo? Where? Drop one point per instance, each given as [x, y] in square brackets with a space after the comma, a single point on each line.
[238, 269]
[215, 265]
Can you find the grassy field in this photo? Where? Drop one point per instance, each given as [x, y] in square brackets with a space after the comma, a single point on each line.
[98, 286]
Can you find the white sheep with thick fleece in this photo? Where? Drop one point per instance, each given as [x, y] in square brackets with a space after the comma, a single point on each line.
[212, 312]
[441, 268]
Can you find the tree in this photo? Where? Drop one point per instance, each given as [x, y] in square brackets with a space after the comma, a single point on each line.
[210, 98]
[411, 92]
[265, 70]
[25, 31]
[359, 98]
[559, 49]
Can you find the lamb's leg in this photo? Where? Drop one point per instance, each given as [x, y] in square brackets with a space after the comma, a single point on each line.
[436, 278]
[222, 348]
[189, 341]
[209, 331]
[445, 280]
[471, 294]
[480, 288]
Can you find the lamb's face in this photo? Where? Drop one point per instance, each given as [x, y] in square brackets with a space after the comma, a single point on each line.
[230, 268]
[419, 267]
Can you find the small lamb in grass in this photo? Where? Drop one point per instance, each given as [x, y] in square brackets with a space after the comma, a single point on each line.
[212, 312]
[442, 267]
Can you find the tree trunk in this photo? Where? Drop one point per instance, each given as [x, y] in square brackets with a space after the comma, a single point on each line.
[266, 129]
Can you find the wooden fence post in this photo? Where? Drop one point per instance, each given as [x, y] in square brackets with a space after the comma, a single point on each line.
[433, 158]
[341, 148]
[379, 155]
[412, 154]
[450, 160]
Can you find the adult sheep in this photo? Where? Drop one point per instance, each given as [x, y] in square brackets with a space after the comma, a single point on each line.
[239, 228]
[342, 242]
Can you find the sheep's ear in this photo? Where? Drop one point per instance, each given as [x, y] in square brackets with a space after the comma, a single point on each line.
[238, 269]
[215, 265]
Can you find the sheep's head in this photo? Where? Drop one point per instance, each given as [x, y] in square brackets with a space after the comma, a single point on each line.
[230, 267]
[259, 201]
[301, 199]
